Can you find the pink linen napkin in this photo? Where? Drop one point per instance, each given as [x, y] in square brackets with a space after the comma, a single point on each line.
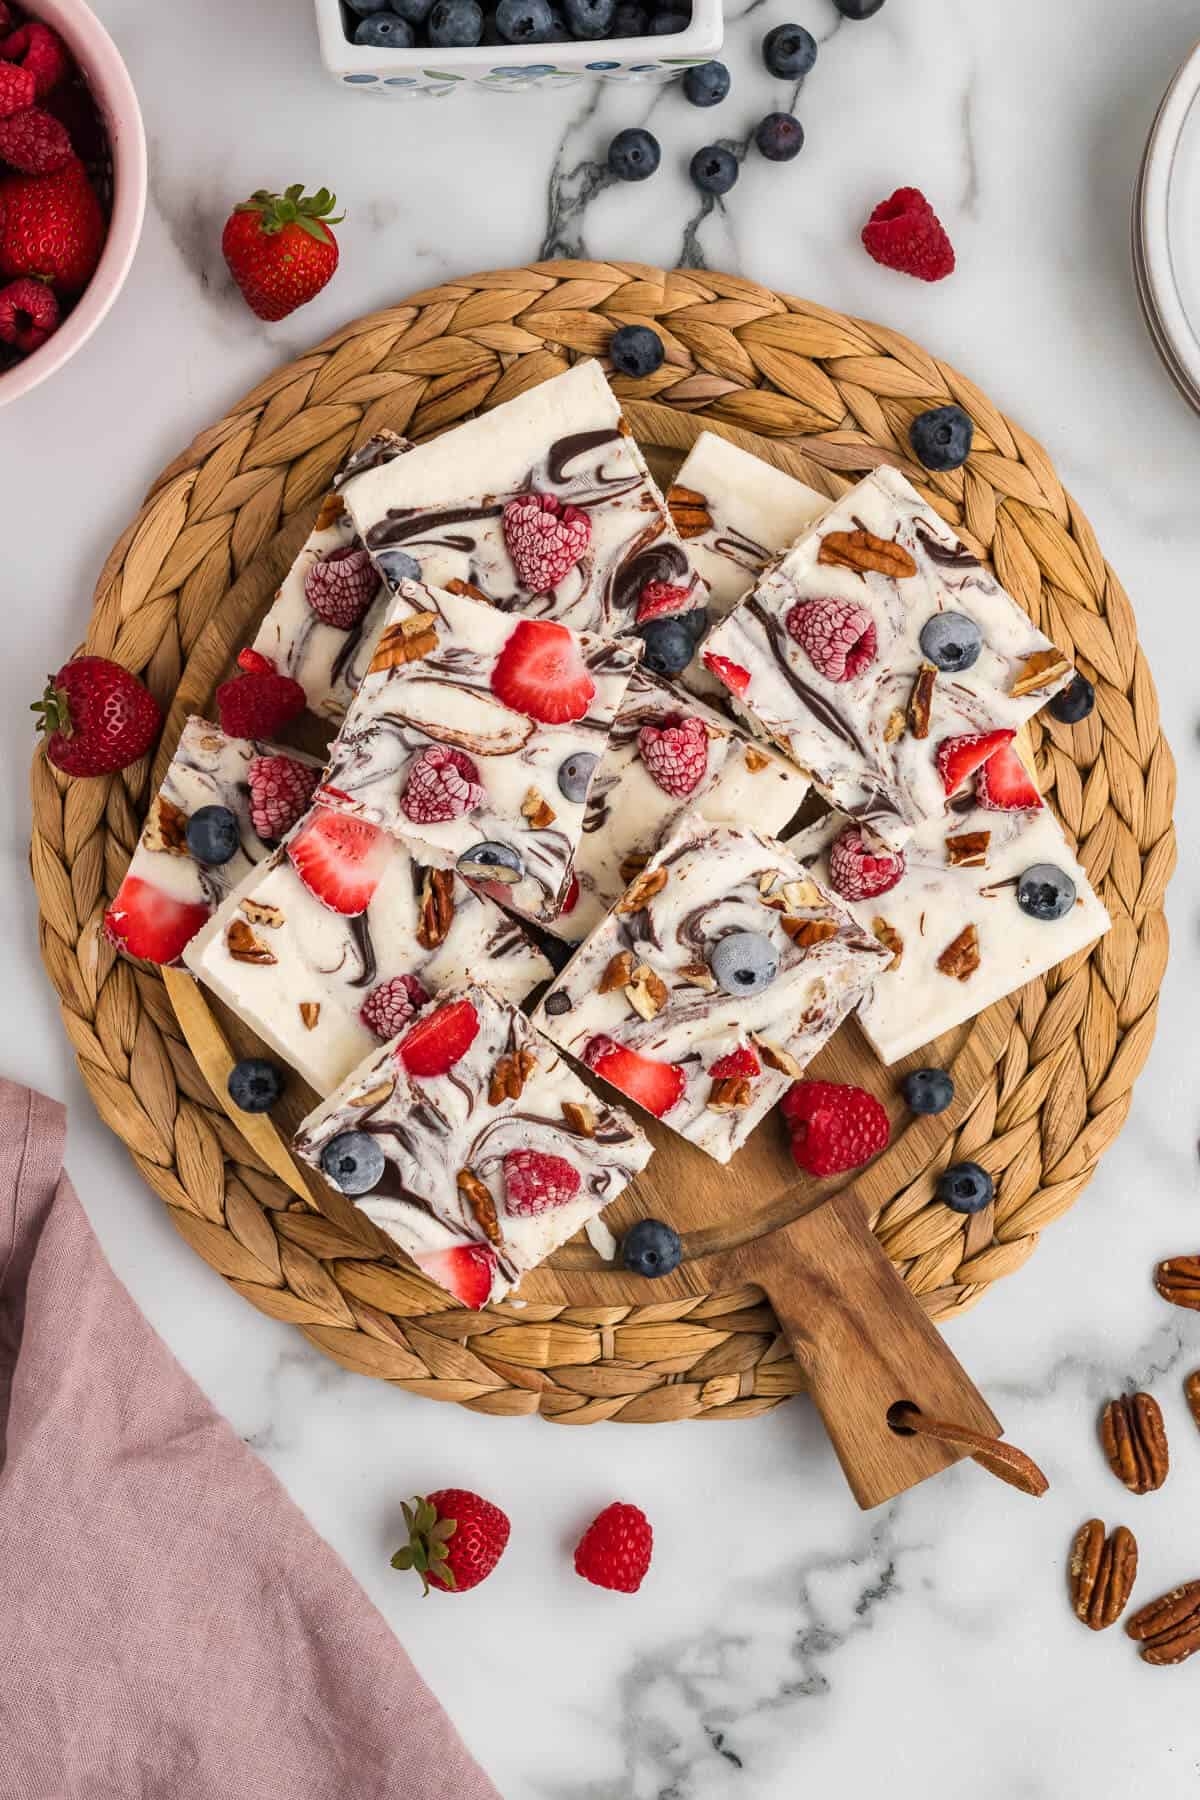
[170, 1626]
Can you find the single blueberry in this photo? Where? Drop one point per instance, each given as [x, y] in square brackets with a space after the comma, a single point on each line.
[634, 154]
[965, 1188]
[858, 9]
[1045, 892]
[951, 641]
[490, 861]
[255, 1084]
[558, 28]
[574, 774]
[669, 644]
[707, 84]
[213, 835]
[590, 18]
[524, 21]
[941, 437]
[1075, 701]
[651, 1248]
[384, 31]
[695, 622]
[397, 565]
[453, 25]
[415, 11]
[714, 169]
[636, 350]
[779, 137]
[927, 1090]
[353, 1162]
[789, 52]
[629, 20]
[744, 963]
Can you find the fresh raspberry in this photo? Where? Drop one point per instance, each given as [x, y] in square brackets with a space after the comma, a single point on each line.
[834, 1127]
[455, 1539]
[34, 142]
[905, 233]
[545, 539]
[257, 706]
[535, 1182]
[29, 313]
[437, 1041]
[615, 1550]
[837, 636]
[660, 597]
[388, 1007]
[736, 679]
[739, 1062]
[859, 870]
[253, 662]
[341, 586]
[677, 755]
[36, 48]
[280, 790]
[17, 88]
[442, 784]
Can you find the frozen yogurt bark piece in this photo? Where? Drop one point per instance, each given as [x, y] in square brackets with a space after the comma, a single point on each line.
[331, 945]
[474, 736]
[964, 920]
[472, 1143]
[668, 754]
[884, 658]
[168, 893]
[714, 980]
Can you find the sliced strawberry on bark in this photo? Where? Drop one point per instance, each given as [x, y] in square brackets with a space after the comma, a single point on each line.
[741, 1061]
[145, 921]
[467, 1272]
[655, 1085]
[570, 898]
[1005, 784]
[541, 672]
[660, 598]
[434, 1045]
[340, 860]
[736, 679]
[958, 758]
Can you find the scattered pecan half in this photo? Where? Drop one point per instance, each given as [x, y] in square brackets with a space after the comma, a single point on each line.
[961, 958]
[649, 883]
[968, 850]
[1191, 1393]
[244, 947]
[1168, 1629]
[920, 701]
[1135, 1442]
[436, 908]
[689, 511]
[1178, 1280]
[1103, 1571]
[262, 912]
[579, 1118]
[407, 641]
[646, 992]
[510, 1074]
[536, 810]
[1038, 670]
[481, 1204]
[166, 827]
[863, 551]
[310, 1012]
[617, 972]
[890, 938]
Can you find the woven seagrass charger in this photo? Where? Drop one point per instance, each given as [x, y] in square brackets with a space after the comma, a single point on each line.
[1044, 1080]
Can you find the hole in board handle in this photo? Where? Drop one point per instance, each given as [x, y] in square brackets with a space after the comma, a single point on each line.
[896, 1417]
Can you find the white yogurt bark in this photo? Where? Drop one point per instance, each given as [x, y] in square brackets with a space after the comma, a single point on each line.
[489, 1165]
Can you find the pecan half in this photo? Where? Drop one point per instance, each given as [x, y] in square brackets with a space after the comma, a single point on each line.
[896, 726]
[649, 883]
[778, 1058]
[1103, 1571]
[436, 908]
[968, 850]
[1169, 1628]
[1038, 670]
[536, 810]
[510, 1074]
[1178, 1280]
[808, 932]
[1191, 1393]
[698, 974]
[332, 508]
[262, 912]
[166, 827]
[310, 1012]
[755, 761]
[920, 701]
[646, 992]
[1135, 1442]
[407, 641]
[579, 1118]
[890, 938]
[480, 1204]
[689, 511]
[375, 1096]
[960, 959]
[244, 947]
[617, 972]
[730, 1094]
[632, 865]
[863, 551]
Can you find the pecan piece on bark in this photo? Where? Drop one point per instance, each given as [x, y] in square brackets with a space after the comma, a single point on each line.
[968, 850]
[407, 641]
[698, 974]
[1038, 670]
[1191, 1393]
[776, 1057]
[579, 1118]
[436, 908]
[632, 865]
[1135, 1442]
[262, 912]
[960, 959]
[1178, 1280]
[1103, 1571]
[890, 938]
[689, 511]
[510, 1074]
[649, 883]
[896, 726]
[920, 701]
[332, 508]
[792, 896]
[730, 1094]
[1168, 1629]
[383, 1090]
[166, 827]
[646, 992]
[617, 972]
[536, 810]
[480, 1204]
[807, 932]
[244, 947]
[310, 1012]
[467, 589]
[863, 551]
[755, 761]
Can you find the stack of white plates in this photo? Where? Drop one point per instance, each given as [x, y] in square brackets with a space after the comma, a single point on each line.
[1166, 230]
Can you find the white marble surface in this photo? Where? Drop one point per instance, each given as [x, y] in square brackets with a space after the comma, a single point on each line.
[784, 1641]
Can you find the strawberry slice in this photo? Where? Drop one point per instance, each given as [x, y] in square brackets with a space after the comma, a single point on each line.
[434, 1045]
[661, 598]
[467, 1272]
[959, 757]
[741, 1061]
[541, 672]
[341, 861]
[570, 898]
[1005, 784]
[655, 1085]
[145, 921]
[253, 662]
[736, 679]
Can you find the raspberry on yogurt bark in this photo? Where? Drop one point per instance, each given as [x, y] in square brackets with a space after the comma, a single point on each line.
[341, 938]
[884, 658]
[713, 981]
[472, 1143]
[168, 892]
[472, 738]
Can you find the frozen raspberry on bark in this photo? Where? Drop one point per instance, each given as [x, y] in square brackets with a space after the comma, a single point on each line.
[834, 1127]
[436, 1042]
[536, 1182]
[388, 1007]
[837, 636]
[467, 1272]
[442, 784]
[958, 758]
[905, 233]
[738, 1063]
[545, 539]
[280, 790]
[735, 677]
[341, 586]
[341, 861]
[1005, 784]
[859, 870]
[675, 755]
[541, 672]
[659, 598]
[258, 705]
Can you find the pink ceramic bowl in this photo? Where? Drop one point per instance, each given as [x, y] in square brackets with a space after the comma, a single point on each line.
[108, 78]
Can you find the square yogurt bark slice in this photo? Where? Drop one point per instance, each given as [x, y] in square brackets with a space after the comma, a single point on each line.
[474, 736]
[712, 983]
[473, 1144]
[884, 658]
[168, 893]
[341, 937]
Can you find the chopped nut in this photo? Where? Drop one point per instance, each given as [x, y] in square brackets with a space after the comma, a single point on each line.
[896, 726]
[689, 512]
[891, 940]
[801, 893]
[1039, 669]
[510, 1074]
[968, 850]
[481, 1204]
[777, 1058]
[310, 1012]
[961, 958]
[261, 912]
[579, 1118]
[631, 866]
[383, 1090]
[730, 1094]
[755, 760]
[407, 641]
[618, 972]
[244, 947]
[647, 884]
[698, 974]
[920, 701]
[332, 508]
[808, 932]
[863, 551]
[166, 827]
[536, 810]
[766, 882]
[436, 908]
[646, 992]
[1102, 1573]
[467, 588]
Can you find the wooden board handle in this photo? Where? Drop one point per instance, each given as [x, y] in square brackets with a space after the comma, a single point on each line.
[865, 1344]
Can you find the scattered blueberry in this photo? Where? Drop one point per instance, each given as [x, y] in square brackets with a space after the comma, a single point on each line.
[353, 1162]
[669, 644]
[363, 7]
[942, 437]
[668, 23]
[744, 963]
[706, 84]
[213, 835]
[574, 774]
[630, 20]
[636, 350]
[490, 861]
[789, 52]
[1045, 893]
[634, 154]
[524, 21]
[965, 1188]
[858, 9]
[779, 137]
[651, 1248]
[590, 18]
[455, 24]
[255, 1084]
[1075, 702]
[714, 169]
[384, 31]
[927, 1090]
[951, 641]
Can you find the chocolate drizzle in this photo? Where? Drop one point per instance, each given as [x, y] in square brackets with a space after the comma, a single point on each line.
[652, 560]
[816, 703]
[944, 556]
[565, 450]
[400, 524]
[360, 934]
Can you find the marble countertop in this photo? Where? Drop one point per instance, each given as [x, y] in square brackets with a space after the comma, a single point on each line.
[783, 1638]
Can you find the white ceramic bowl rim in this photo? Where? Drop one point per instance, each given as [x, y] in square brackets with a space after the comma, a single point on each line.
[1155, 194]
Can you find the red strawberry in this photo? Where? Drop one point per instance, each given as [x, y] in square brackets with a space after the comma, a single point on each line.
[341, 586]
[34, 142]
[17, 89]
[535, 1182]
[545, 539]
[1005, 784]
[390, 1005]
[455, 1539]
[341, 861]
[280, 790]
[29, 314]
[859, 870]
[442, 784]
[834, 1127]
[659, 597]
[615, 1550]
[655, 1085]
[570, 899]
[145, 921]
[959, 757]
[736, 679]
[837, 636]
[253, 662]
[741, 1061]
[467, 1272]
[42, 52]
[280, 249]
[258, 705]
[541, 672]
[676, 755]
[905, 233]
[437, 1041]
[97, 716]
[51, 226]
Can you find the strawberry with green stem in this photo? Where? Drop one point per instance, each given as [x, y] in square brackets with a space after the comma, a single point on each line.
[280, 249]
